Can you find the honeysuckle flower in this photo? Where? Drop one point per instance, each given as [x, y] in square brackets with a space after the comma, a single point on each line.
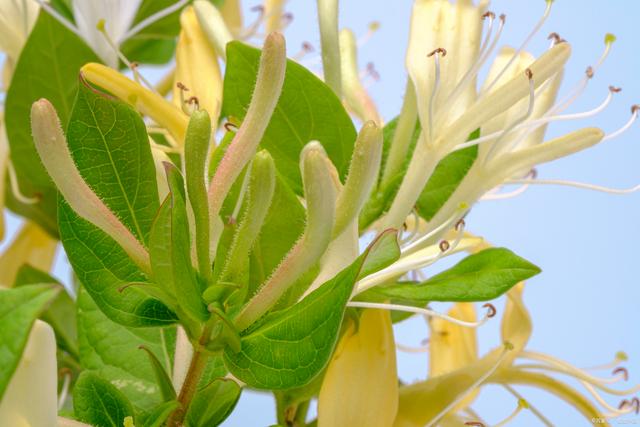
[104, 25]
[31, 397]
[512, 108]
[16, 20]
[360, 386]
[197, 70]
[32, 246]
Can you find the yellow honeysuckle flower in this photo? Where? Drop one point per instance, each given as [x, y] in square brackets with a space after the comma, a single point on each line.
[145, 101]
[452, 346]
[31, 246]
[360, 387]
[31, 397]
[197, 68]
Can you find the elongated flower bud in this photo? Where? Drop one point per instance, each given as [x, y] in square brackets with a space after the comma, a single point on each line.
[56, 158]
[213, 25]
[363, 173]
[269, 83]
[197, 67]
[360, 386]
[330, 43]
[320, 195]
[143, 100]
[354, 92]
[196, 155]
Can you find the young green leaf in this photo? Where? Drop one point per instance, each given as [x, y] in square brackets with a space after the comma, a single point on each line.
[188, 288]
[479, 277]
[307, 110]
[61, 312]
[128, 367]
[160, 249]
[289, 348]
[167, 391]
[19, 308]
[105, 270]
[213, 404]
[159, 415]
[63, 53]
[98, 402]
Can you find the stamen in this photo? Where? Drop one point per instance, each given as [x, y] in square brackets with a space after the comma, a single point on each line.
[138, 77]
[620, 356]
[58, 17]
[183, 100]
[153, 19]
[522, 404]
[634, 115]
[575, 184]
[305, 49]
[251, 30]
[15, 187]
[420, 310]
[522, 47]
[507, 347]
[474, 423]
[436, 231]
[287, 19]
[436, 87]
[414, 232]
[491, 310]
[623, 371]
[532, 408]
[555, 39]
[444, 246]
[411, 349]
[374, 26]
[614, 412]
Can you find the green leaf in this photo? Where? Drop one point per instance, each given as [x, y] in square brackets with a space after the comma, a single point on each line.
[111, 350]
[188, 288]
[109, 144]
[160, 414]
[160, 248]
[479, 277]
[307, 110]
[19, 308]
[47, 68]
[144, 50]
[104, 268]
[213, 404]
[163, 380]
[98, 402]
[290, 347]
[445, 179]
[61, 312]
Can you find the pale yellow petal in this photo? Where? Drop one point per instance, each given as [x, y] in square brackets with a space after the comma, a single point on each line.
[31, 246]
[4, 163]
[516, 322]
[452, 346]
[360, 387]
[197, 67]
[31, 398]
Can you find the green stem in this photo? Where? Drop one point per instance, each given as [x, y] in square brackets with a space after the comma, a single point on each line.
[190, 385]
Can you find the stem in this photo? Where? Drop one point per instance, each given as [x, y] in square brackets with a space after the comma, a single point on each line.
[190, 385]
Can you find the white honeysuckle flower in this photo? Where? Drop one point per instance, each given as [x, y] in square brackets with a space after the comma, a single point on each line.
[105, 24]
[117, 15]
[16, 21]
[31, 397]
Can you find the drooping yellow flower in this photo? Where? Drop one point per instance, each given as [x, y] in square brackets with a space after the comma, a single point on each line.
[31, 397]
[197, 68]
[360, 387]
[31, 246]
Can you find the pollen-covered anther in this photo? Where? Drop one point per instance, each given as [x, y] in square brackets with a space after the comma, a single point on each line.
[590, 72]
[474, 423]
[635, 109]
[529, 73]
[623, 371]
[371, 71]
[444, 246]
[556, 38]
[614, 89]
[491, 309]
[230, 127]
[194, 102]
[489, 14]
[287, 18]
[182, 87]
[440, 51]
[307, 47]
[460, 224]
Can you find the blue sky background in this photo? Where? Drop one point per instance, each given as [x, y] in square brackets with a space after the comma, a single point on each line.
[584, 305]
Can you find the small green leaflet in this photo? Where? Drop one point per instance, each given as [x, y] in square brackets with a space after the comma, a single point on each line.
[479, 277]
[47, 68]
[129, 367]
[307, 110]
[290, 347]
[19, 308]
[213, 403]
[98, 402]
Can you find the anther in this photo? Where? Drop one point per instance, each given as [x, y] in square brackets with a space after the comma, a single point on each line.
[622, 370]
[194, 101]
[258, 8]
[230, 127]
[533, 173]
[307, 47]
[636, 404]
[444, 246]
[371, 70]
[182, 87]
[614, 89]
[503, 18]
[474, 423]
[287, 18]
[635, 109]
[491, 309]
[489, 14]
[440, 50]
[460, 224]
[529, 73]
[590, 72]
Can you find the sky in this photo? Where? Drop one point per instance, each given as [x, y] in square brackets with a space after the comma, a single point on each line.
[584, 304]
